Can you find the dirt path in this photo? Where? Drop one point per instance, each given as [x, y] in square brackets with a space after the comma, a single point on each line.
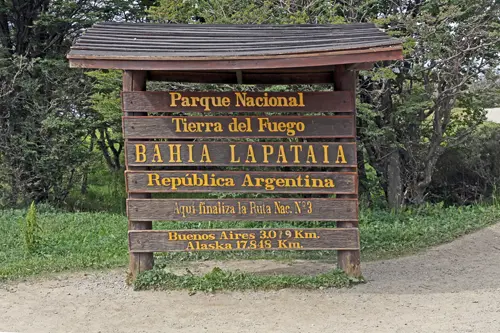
[451, 288]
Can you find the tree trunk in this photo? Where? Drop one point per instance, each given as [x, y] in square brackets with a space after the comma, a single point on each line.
[394, 183]
[85, 180]
[364, 190]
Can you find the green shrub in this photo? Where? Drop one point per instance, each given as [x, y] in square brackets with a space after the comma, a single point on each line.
[470, 172]
[30, 230]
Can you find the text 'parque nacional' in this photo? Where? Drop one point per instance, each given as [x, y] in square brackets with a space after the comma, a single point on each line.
[241, 99]
[238, 101]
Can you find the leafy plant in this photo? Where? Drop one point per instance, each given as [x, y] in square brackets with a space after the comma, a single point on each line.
[30, 230]
[219, 279]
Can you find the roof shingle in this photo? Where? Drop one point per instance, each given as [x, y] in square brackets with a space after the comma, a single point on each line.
[108, 40]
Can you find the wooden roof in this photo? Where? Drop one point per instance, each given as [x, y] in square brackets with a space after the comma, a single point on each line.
[193, 47]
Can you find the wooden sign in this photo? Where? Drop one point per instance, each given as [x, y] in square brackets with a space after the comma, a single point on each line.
[272, 145]
[241, 181]
[269, 209]
[190, 101]
[161, 153]
[157, 146]
[244, 239]
[239, 127]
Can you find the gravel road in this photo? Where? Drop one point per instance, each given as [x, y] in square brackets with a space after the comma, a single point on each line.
[451, 288]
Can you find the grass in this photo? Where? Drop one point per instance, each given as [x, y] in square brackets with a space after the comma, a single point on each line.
[94, 240]
[219, 279]
[68, 241]
[388, 234]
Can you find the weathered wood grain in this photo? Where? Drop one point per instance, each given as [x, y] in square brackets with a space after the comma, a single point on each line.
[269, 209]
[311, 60]
[138, 262]
[241, 181]
[243, 239]
[238, 127]
[144, 153]
[350, 260]
[161, 101]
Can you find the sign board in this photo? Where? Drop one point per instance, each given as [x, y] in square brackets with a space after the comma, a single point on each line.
[269, 147]
[237, 153]
[268, 209]
[159, 127]
[244, 239]
[286, 150]
[240, 182]
[238, 101]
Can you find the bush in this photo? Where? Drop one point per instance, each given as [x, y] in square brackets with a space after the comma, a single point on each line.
[30, 230]
[470, 172]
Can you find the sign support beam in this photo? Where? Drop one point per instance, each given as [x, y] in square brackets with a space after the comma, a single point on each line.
[138, 262]
[347, 260]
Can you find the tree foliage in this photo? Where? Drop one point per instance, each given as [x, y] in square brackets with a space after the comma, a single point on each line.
[414, 116]
[411, 112]
[45, 113]
[450, 46]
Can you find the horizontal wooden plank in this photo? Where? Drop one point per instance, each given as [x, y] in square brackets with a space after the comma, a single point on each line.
[107, 35]
[182, 51]
[244, 239]
[241, 182]
[125, 61]
[195, 153]
[210, 101]
[239, 127]
[199, 44]
[268, 209]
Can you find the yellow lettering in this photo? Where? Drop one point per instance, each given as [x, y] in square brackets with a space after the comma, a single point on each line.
[247, 181]
[325, 153]
[296, 149]
[250, 155]
[177, 122]
[282, 101]
[282, 155]
[205, 155]
[311, 157]
[174, 97]
[233, 160]
[240, 98]
[153, 178]
[267, 150]
[140, 153]
[157, 155]
[194, 101]
[175, 153]
[190, 153]
[301, 99]
[340, 155]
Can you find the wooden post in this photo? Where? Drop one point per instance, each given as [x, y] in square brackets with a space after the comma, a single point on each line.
[139, 262]
[347, 260]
